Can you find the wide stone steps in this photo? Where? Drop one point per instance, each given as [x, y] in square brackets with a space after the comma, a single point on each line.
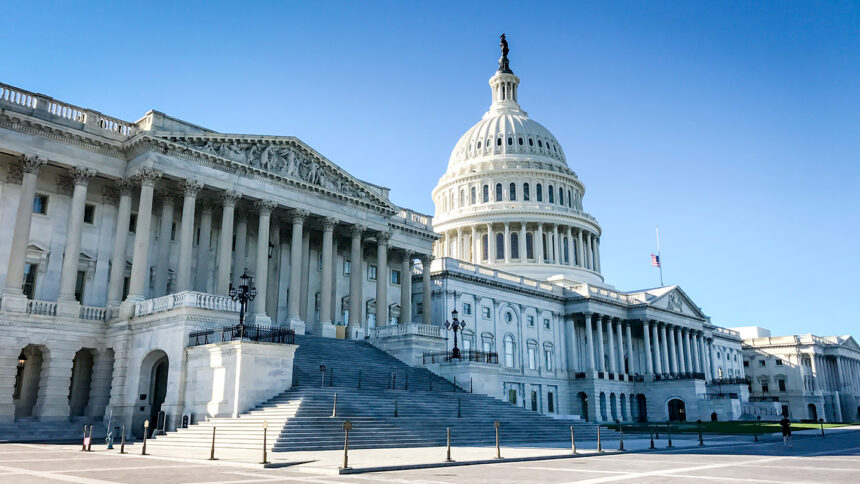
[301, 419]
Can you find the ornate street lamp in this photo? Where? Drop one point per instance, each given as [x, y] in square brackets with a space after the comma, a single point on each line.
[22, 360]
[455, 326]
[244, 293]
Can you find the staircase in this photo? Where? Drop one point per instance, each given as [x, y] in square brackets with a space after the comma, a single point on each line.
[393, 406]
[30, 429]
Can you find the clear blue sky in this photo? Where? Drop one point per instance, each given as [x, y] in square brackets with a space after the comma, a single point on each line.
[734, 126]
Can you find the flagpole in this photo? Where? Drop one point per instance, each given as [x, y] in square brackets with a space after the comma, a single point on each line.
[659, 259]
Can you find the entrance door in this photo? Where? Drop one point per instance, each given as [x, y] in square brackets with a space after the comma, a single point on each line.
[677, 410]
[534, 401]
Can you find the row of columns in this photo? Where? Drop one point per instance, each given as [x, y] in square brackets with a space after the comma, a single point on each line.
[584, 251]
[837, 373]
[147, 178]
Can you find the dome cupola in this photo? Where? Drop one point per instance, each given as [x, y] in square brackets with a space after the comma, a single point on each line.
[508, 199]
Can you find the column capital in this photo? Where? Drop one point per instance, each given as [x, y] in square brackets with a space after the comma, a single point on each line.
[82, 176]
[408, 254]
[229, 198]
[190, 188]
[168, 197]
[329, 223]
[125, 186]
[32, 163]
[382, 238]
[147, 177]
[356, 230]
[110, 195]
[207, 205]
[264, 207]
[426, 258]
[299, 216]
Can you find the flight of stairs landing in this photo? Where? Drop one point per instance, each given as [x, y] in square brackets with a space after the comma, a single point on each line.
[301, 419]
[31, 429]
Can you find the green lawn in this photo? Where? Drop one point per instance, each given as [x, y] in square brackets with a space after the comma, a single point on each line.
[736, 427]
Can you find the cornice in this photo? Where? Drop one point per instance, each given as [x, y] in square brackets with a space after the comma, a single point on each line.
[38, 127]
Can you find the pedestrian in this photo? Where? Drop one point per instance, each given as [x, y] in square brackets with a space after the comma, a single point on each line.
[785, 423]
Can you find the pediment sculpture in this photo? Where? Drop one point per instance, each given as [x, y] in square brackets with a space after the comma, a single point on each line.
[674, 303]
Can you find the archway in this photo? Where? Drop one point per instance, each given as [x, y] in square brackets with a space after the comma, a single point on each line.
[813, 412]
[152, 389]
[27, 379]
[79, 389]
[613, 406]
[643, 408]
[677, 410]
[624, 415]
[602, 416]
[583, 406]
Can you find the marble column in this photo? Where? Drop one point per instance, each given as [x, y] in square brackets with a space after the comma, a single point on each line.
[476, 250]
[620, 337]
[613, 366]
[225, 244]
[491, 245]
[507, 244]
[688, 351]
[190, 189]
[382, 239]
[329, 224]
[579, 255]
[406, 288]
[427, 289]
[21, 234]
[521, 240]
[591, 251]
[240, 251]
[559, 259]
[162, 262]
[632, 363]
[53, 401]
[100, 383]
[140, 259]
[597, 254]
[589, 343]
[673, 348]
[664, 349]
[601, 354]
[120, 243]
[646, 337]
[72, 254]
[204, 244]
[295, 291]
[538, 243]
[714, 364]
[694, 350]
[571, 256]
[355, 274]
[261, 274]
[659, 351]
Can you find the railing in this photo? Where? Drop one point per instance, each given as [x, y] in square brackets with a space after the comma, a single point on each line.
[727, 332]
[453, 264]
[729, 381]
[41, 308]
[111, 313]
[475, 356]
[92, 313]
[406, 329]
[511, 205]
[411, 217]
[680, 376]
[185, 299]
[260, 334]
[67, 111]
[17, 96]
[125, 128]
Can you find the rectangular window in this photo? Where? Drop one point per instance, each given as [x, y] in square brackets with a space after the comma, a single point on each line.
[781, 384]
[395, 276]
[319, 261]
[778, 362]
[79, 286]
[546, 323]
[764, 387]
[532, 358]
[197, 237]
[132, 223]
[547, 357]
[40, 204]
[762, 363]
[89, 213]
[371, 272]
[467, 309]
[487, 346]
[550, 402]
[347, 267]
[29, 283]
[512, 396]
[486, 313]
[746, 364]
[173, 235]
[419, 308]
[531, 321]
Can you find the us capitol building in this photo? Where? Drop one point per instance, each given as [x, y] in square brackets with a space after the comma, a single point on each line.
[124, 238]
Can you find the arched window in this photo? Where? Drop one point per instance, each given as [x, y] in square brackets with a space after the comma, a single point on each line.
[486, 194]
[547, 356]
[560, 196]
[566, 252]
[521, 141]
[512, 192]
[498, 192]
[515, 245]
[550, 193]
[543, 241]
[474, 194]
[468, 340]
[539, 189]
[499, 141]
[500, 246]
[525, 192]
[569, 200]
[484, 246]
[510, 141]
[462, 197]
[509, 351]
[531, 142]
[488, 342]
[530, 250]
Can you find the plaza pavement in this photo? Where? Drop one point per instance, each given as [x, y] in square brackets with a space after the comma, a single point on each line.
[727, 459]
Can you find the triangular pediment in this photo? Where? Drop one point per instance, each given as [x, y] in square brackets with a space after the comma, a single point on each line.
[282, 156]
[850, 343]
[672, 298]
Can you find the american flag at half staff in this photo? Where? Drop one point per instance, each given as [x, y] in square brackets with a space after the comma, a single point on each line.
[655, 260]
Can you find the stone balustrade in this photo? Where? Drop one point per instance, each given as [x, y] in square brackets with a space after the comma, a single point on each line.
[407, 329]
[185, 299]
[449, 264]
[512, 205]
[41, 308]
[92, 313]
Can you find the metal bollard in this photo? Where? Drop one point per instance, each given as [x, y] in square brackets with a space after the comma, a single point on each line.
[334, 407]
[448, 439]
[84, 442]
[572, 441]
[212, 450]
[701, 439]
[599, 442]
[90, 441]
[145, 431]
[755, 427]
[265, 447]
[651, 433]
[122, 441]
[471, 387]
[498, 449]
[669, 434]
[459, 409]
[347, 426]
[620, 435]
[395, 406]
[821, 422]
